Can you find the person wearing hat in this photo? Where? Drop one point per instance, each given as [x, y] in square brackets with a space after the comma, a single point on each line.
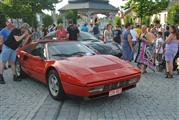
[9, 49]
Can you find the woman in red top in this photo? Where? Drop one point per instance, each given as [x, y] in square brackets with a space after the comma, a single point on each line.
[61, 32]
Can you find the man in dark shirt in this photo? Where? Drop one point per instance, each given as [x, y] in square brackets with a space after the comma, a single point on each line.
[73, 31]
[9, 49]
[117, 34]
[96, 30]
[166, 33]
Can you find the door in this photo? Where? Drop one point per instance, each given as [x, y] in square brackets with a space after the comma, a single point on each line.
[35, 61]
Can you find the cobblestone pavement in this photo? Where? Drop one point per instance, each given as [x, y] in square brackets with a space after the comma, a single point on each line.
[154, 98]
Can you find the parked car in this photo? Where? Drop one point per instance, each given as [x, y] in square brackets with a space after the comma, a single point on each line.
[71, 68]
[92, 42]
[102, 48]
[87, 38]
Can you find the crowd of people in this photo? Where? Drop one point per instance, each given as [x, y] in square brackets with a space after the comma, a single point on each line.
[11, 38]
[149, 46]
[155, 47]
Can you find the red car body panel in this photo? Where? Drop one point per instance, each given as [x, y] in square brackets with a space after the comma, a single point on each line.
[80, 74]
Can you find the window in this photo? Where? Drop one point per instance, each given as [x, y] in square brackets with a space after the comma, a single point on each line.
[37, 50]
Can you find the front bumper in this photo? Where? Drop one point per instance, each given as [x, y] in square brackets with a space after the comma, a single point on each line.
[94, 90]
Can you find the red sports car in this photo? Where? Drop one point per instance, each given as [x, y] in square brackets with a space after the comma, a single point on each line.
[72, 68]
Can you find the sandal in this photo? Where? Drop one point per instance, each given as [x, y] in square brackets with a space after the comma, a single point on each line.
[168, 75]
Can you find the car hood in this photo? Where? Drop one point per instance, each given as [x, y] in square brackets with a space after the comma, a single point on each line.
[90, 69]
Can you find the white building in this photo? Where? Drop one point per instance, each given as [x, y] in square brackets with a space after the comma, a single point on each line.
[164, 14]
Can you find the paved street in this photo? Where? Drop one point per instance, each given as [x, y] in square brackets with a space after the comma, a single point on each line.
[155, 98]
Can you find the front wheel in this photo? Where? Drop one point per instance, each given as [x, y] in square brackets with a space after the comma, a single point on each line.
[55, 87]
[19, 71]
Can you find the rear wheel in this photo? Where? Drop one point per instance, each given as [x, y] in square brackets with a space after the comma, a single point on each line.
[55, 87]
[19, 71]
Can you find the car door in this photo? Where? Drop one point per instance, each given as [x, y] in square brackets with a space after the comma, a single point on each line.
[38, 61]
[25, 59]
[35, 61]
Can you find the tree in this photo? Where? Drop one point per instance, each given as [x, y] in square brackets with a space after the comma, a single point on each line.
[128, 19]
[59, 19]
[173, 15]
[146, 7]
[146, 20]
[71, 14]
[26, 9]
[2, 17]
[117, 21]
[47, 20]
[2, 20]
[156, 19]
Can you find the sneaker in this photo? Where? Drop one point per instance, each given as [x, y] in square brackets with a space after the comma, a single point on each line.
[16, 78]
[2, 80]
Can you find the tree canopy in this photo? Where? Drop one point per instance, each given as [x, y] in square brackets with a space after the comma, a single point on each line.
[173, 15]
[25, 9]
[47, 20]
[71, 14]
[146, 7]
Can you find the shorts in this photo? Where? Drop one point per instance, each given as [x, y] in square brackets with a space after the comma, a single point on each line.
[170, 55]
[7, 54]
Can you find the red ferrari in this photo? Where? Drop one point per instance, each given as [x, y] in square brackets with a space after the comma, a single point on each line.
[70, 68]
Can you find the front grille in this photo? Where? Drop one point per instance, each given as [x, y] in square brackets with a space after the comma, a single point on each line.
[117, 85]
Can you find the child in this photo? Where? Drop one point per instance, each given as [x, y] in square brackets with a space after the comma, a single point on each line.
[159, 48]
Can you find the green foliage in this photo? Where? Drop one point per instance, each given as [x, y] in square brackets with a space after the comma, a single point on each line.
[173, 15]
[110, 21]
[147, 7]
[128, 19]
[117, 21]
[2, 20]
[47, 20]
[71, 14]
[59, 19]
[146, 20]
[26, 9]
[156, 19]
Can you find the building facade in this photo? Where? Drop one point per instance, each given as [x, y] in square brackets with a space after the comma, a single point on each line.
[164, 14]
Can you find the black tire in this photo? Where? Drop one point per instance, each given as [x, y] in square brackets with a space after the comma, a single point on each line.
[59, 94]
[19, 72]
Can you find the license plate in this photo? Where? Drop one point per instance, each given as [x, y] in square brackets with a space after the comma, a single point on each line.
[115, 92]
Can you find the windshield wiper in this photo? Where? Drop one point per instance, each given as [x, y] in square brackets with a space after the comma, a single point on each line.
[61, 55]
[92, 40]
[78, 53]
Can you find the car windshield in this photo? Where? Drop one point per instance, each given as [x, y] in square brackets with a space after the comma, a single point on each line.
[84, 36]
[101, 48]
[67, 49]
